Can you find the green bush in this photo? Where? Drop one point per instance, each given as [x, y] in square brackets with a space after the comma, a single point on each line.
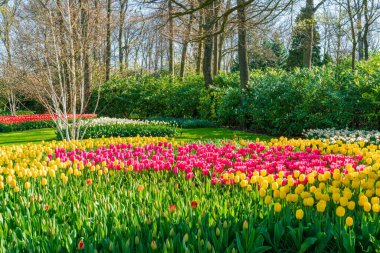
[147, 96]
[276, 102]
[5, 128]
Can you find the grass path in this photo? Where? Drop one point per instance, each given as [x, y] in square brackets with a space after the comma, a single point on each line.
[48, 134]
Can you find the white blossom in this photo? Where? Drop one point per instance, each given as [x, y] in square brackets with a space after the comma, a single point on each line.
[344, 135]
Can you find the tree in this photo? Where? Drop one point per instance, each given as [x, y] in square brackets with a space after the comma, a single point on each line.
[185, 45]
[242, 45]
[122, 11]
[207, 48]
[108, 42]
[51, 61]
[8, 21]
[299, 39]
[171, 39]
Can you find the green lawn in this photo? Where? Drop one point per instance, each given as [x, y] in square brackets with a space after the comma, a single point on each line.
[217, 134]
[47, 134]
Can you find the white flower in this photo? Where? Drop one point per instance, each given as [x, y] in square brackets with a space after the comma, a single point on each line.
[345, 135]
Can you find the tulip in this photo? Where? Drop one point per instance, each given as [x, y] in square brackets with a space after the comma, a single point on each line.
[194, 204]
[153, 245]
[80, 245]
[172, 208]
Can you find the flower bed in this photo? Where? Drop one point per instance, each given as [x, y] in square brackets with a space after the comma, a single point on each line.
[147, 194]
[34, 117]
[187, 123]
[344, 135]
[26, 122]
[108, 127]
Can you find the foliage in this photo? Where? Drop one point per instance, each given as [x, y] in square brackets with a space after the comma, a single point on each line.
[277, 102]
[271, 53]
[146, 96]
[186, 123]
[102, 128]
[5, 128]
[299, 38]
[135, 195]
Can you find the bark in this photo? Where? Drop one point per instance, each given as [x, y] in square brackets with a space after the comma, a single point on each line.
[184, 47]
[308, 53]
[96, 29]
[215, 41]
[108, 41]
[171, 39]
[359, 28]
[127, 51]
[353, 35]
[207, 50]
[222, 38]
[242, 46]
[86, 49]
[366, 30]
[123, 9]
[7, 43]
[339, 38]
[200, 43]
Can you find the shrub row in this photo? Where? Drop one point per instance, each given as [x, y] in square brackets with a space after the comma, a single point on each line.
[5, 128]
[276, 102]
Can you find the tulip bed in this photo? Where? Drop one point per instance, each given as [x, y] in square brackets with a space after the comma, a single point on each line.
[147, 194]
[26, 122]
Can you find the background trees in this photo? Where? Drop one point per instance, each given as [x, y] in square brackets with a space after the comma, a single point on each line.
[78, 44]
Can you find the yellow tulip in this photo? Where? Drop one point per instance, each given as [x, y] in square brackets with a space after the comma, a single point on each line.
[27, 185]
[43, 181]
[349, 221]
[340, 211]
[277, 207]
[299, 214]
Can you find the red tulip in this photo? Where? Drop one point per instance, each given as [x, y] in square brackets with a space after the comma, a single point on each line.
[80, 245]
[172, 208]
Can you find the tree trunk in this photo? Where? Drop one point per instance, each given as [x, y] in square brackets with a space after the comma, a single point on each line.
[108, 46]
[366, 30]
[184, 47]
[359, 28]
[242, 46]
[96, 32]
[123, 4]
[171, 40]
[207, 50]
[221, 39]
[215, 40]
[86, 49]
[200, 43]
[353, 35]
[308, 48]
[339, 37]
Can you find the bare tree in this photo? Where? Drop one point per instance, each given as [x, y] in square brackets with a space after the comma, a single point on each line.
[8, 21]
[45, 50]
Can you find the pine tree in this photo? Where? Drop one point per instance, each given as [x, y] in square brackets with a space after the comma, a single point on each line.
[297, 50]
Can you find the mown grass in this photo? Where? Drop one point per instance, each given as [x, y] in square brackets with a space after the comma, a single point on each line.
[196, 134]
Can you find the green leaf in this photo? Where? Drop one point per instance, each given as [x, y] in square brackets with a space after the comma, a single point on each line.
[307, 244]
